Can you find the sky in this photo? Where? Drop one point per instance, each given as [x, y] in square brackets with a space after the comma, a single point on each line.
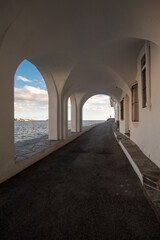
[31, 97]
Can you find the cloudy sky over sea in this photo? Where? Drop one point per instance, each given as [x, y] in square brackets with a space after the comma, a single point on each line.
[31, 97]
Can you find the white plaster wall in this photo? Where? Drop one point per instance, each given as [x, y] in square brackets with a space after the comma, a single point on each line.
[116, 112]
[127, 114]
[146, 132]
[124, 124]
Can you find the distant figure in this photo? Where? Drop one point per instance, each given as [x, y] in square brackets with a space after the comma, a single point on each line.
[110, 116]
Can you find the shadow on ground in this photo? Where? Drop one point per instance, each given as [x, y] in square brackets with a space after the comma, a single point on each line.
[87, 190]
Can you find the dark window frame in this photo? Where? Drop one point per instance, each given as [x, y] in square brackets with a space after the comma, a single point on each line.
[122, 109]
[143, 81]
[135, 103]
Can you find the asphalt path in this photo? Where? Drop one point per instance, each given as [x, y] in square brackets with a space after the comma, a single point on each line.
[87, 190]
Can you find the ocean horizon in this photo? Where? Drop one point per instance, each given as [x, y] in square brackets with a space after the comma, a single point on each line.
[26, 130]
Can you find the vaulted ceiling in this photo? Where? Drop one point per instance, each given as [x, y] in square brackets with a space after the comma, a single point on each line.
[92, 44]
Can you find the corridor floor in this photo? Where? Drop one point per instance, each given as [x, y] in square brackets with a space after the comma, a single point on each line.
[87, 190]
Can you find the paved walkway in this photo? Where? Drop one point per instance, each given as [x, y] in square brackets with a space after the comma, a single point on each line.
[86, 190]
[27, 148]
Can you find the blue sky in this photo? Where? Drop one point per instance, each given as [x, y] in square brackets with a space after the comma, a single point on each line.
[31, 97]
[31, 75]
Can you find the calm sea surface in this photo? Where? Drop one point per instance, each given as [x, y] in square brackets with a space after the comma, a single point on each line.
[30, 130]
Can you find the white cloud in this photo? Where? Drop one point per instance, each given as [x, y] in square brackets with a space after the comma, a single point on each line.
[19, 107]
[99, 99]
[98, 103]
[21, 78]
[95, 107]
[29, 107]
[29, 94]
[31, 102]
[98, 108]
[44, 107]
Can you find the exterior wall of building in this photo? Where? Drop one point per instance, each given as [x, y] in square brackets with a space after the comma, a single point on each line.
[127, 114]
[116, 112]
[146, 132]
[121, 122]
[124, 125]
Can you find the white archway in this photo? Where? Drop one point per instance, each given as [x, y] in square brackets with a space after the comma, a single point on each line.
[30, 102]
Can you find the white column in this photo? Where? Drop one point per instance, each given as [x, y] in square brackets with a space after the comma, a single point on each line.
[76, 115]
[53, 117]
[79, 118]
[53, 106]
[61, 119]
[58, 109]
[73, 114]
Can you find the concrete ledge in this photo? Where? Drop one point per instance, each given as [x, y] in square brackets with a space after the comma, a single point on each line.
[146, 170]
[136, 169]
[30, 157]
[44, 146]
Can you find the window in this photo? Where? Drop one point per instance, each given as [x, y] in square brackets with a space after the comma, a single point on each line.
[122, 109]
[144, 99]
[135, 103]
[143, 76]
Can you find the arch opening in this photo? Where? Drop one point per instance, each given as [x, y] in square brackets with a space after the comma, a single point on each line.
[30, 103]
[69, 114]
[97, 109]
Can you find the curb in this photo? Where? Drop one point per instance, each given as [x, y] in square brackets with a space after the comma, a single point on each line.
[155, 206]
[134, 166]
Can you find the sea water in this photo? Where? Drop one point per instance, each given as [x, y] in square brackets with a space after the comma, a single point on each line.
[33, 129]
